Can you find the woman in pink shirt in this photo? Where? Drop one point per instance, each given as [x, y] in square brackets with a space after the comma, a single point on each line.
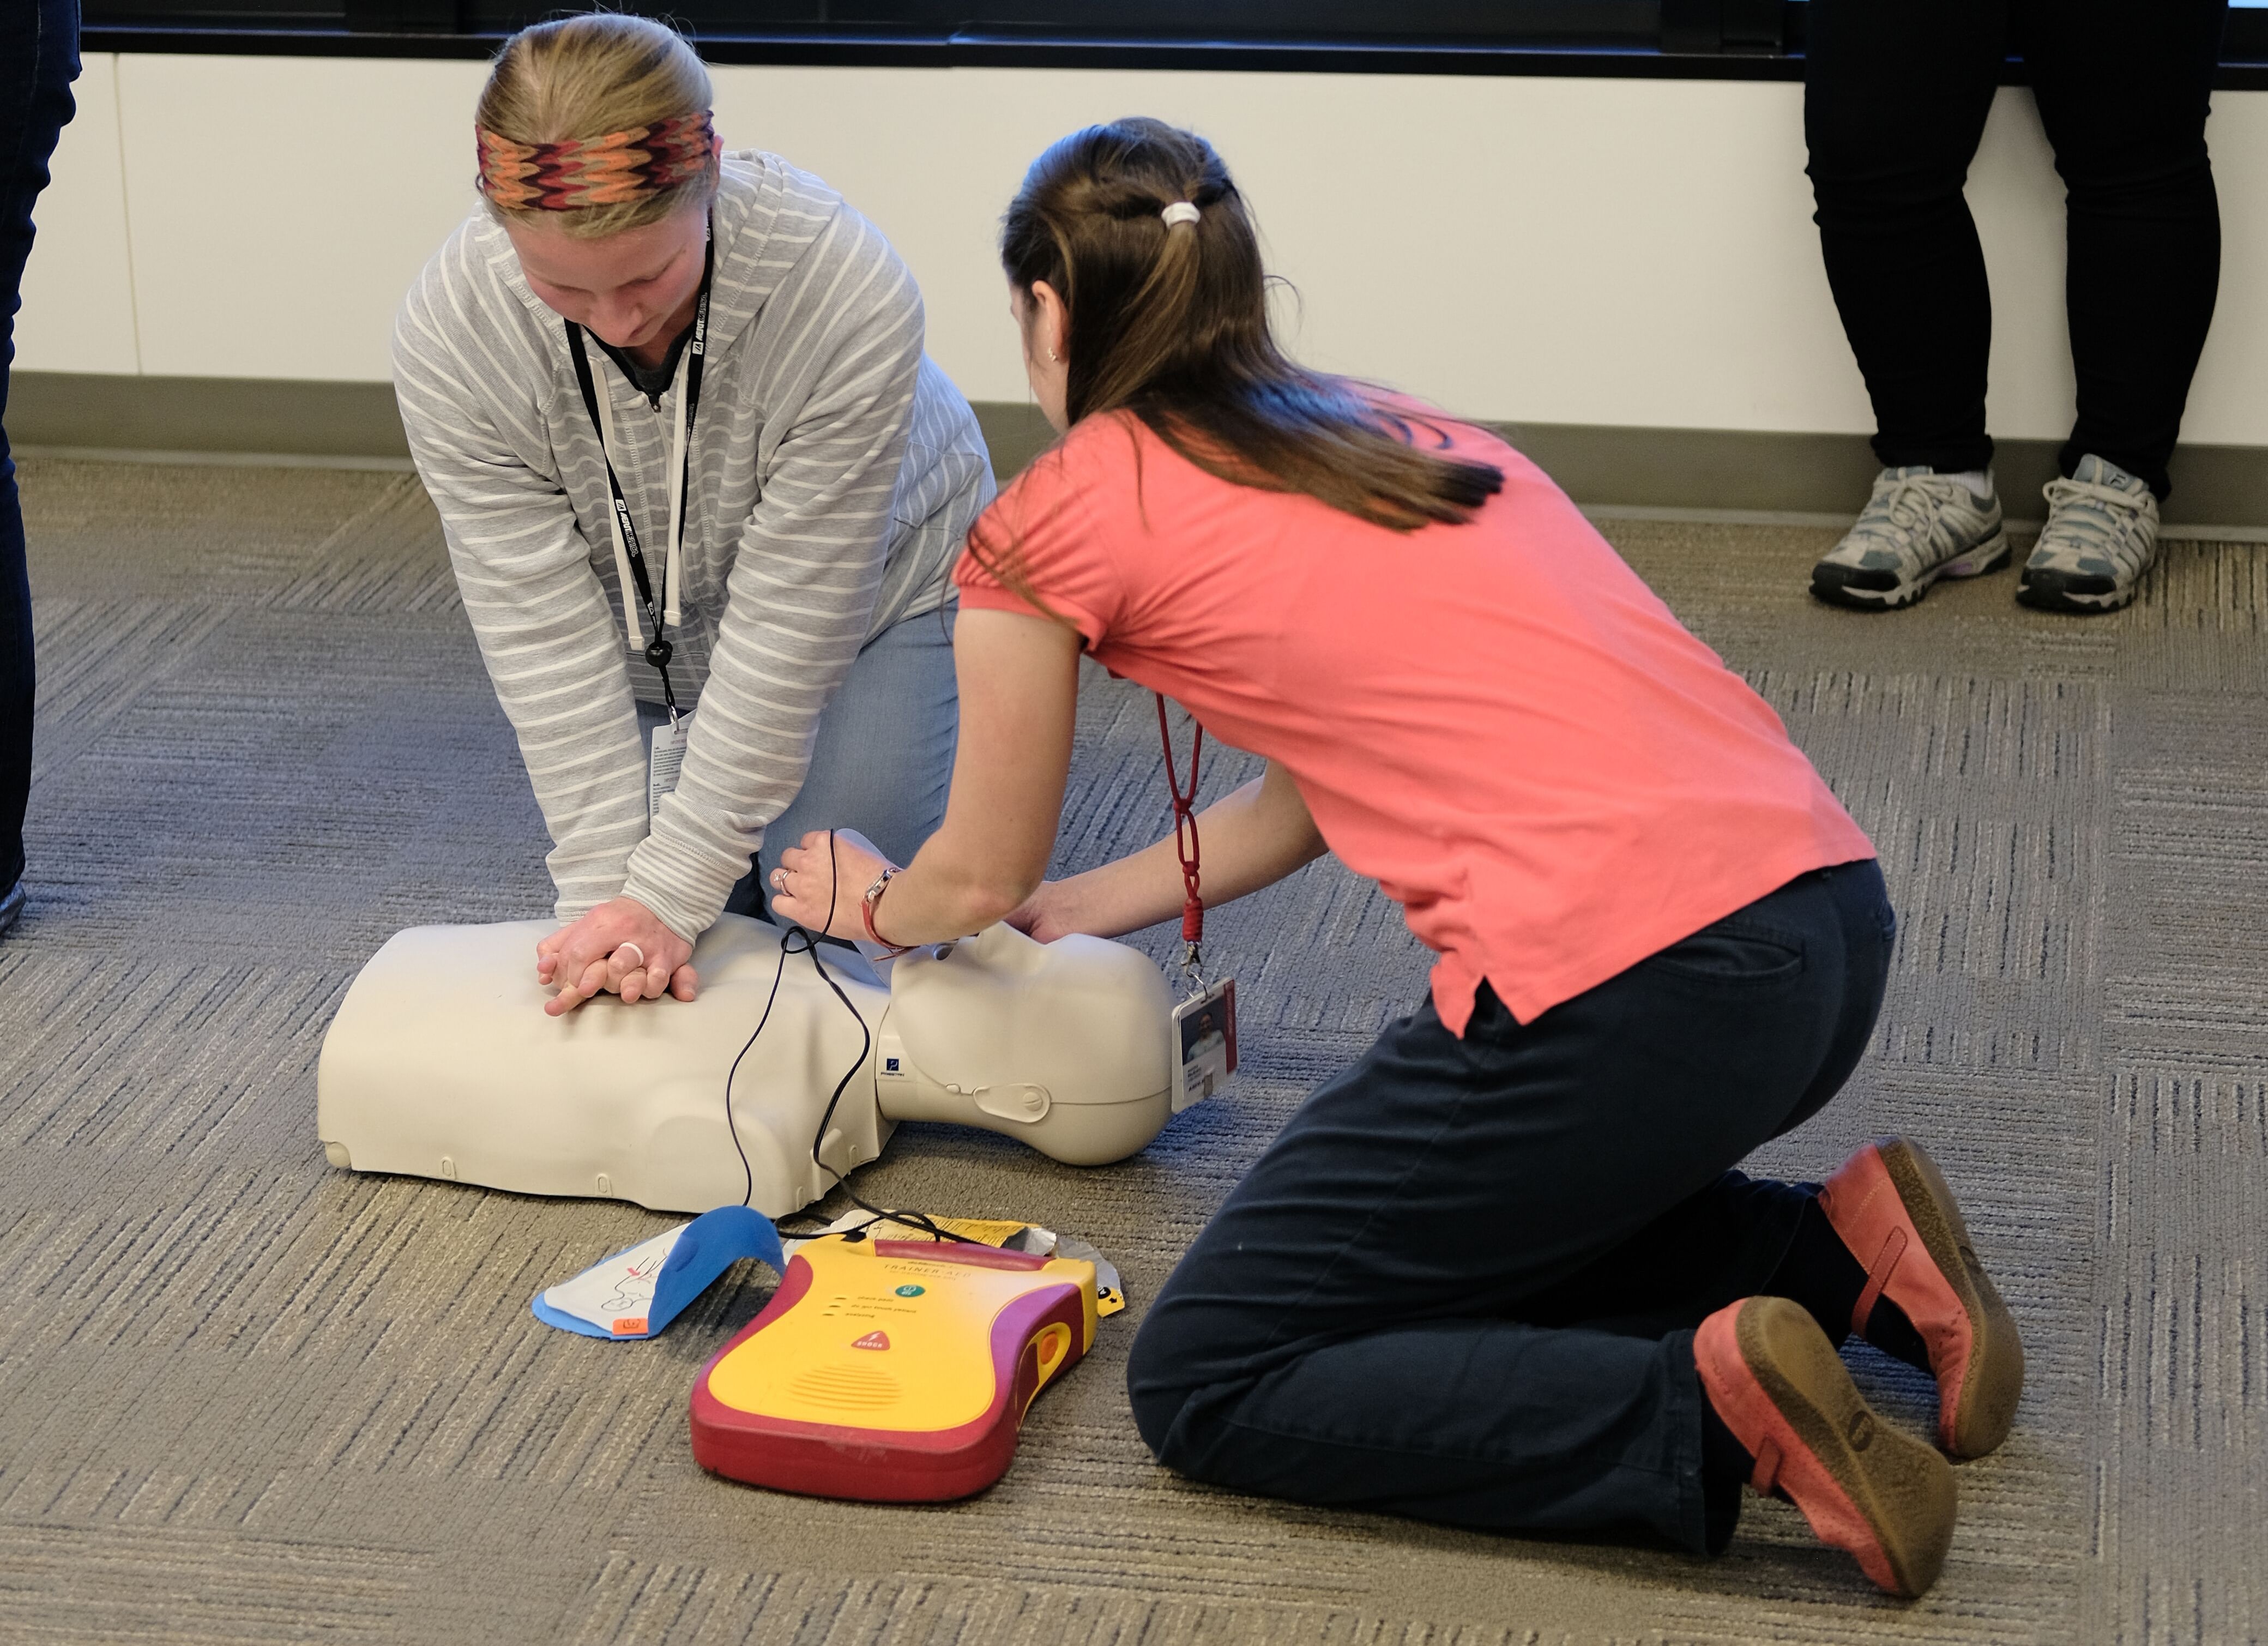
[1500, 1273]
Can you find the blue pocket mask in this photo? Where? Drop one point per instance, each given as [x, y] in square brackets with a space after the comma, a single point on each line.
[637, 1292]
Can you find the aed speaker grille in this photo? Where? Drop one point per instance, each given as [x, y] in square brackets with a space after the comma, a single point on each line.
[845, 1387]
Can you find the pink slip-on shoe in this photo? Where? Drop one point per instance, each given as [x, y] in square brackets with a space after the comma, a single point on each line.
[1891, 1208]
[1779, 1385]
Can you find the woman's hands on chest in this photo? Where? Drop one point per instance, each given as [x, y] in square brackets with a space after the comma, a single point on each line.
[619, 948]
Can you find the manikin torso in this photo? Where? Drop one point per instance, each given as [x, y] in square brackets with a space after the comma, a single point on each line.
[441, 1063]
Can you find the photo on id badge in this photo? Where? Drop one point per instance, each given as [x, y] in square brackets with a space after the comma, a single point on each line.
[1205, 1037]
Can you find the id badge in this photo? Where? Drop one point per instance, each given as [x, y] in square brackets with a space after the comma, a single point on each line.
[1204, 1043]
[665, 759]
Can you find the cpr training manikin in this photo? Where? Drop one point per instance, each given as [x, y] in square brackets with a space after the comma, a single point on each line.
[441, 1063]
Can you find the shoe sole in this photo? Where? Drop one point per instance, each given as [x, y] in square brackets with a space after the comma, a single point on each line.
[1888, 1498]
[1992, 1386]
[2057, 590]
[1986, 557]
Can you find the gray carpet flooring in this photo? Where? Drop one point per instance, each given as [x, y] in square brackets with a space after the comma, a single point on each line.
[243, 1397]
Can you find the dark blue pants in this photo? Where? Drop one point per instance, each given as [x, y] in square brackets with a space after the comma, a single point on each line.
[39, 59]
[1462, 1284]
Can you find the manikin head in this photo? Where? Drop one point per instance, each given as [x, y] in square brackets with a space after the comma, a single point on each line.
[597, 158]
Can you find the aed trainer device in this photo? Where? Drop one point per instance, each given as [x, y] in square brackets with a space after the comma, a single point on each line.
[893, 1371]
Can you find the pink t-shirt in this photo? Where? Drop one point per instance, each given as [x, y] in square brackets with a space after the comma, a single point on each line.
[1496, 721]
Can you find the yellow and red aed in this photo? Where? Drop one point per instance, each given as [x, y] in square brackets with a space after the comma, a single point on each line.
[892, 1370]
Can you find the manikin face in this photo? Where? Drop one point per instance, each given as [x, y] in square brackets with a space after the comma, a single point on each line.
[635, 290]
[1045, 327]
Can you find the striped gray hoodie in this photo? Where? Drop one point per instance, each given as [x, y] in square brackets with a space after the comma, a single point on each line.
[835, 471]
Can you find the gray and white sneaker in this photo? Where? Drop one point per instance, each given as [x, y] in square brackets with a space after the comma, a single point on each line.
[1918, 526]
[2101, 536]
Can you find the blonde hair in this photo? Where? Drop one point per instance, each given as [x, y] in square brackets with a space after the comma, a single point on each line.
[585, 76]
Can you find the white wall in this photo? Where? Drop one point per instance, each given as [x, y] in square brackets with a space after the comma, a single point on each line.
[78, 289]
[1620, 251]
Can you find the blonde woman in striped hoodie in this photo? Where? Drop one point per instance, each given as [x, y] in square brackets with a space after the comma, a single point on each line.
[672, 405]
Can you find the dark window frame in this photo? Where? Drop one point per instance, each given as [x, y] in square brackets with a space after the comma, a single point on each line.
[1717, 40]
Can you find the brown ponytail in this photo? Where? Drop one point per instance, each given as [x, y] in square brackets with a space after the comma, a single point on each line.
[1169, 322]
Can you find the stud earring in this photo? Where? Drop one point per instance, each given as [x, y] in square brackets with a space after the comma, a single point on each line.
[1054, 359]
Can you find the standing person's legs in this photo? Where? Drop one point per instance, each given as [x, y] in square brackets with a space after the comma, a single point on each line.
[883, 759]
[39, 59]
[1353, 1328]
[2123, 91]
[1896, 95]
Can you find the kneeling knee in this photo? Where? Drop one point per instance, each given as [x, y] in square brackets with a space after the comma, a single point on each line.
[1156, 1395]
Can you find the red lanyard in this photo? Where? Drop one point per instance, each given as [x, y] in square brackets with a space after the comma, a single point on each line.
[1185, 831]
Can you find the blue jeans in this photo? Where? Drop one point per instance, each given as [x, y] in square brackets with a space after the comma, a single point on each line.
[1462, 1284]
[883, 758]
[39, 59]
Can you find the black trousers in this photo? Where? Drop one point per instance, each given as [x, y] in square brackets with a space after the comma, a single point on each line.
[1895, 93]
[39, 59]
[1462, 1284]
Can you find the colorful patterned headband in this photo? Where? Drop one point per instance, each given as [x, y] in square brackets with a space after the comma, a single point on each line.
[622, 165]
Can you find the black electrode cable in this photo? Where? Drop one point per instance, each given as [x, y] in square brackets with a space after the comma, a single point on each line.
[912, 1219]
[731, 1125]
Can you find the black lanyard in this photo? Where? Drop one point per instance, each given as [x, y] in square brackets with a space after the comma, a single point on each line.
[658, 650]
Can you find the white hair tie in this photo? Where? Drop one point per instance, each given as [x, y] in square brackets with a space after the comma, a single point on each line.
[1180, 211]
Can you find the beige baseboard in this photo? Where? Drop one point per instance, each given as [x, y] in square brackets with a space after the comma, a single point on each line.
[1829, 474]
[221, 416]
[238, 419]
